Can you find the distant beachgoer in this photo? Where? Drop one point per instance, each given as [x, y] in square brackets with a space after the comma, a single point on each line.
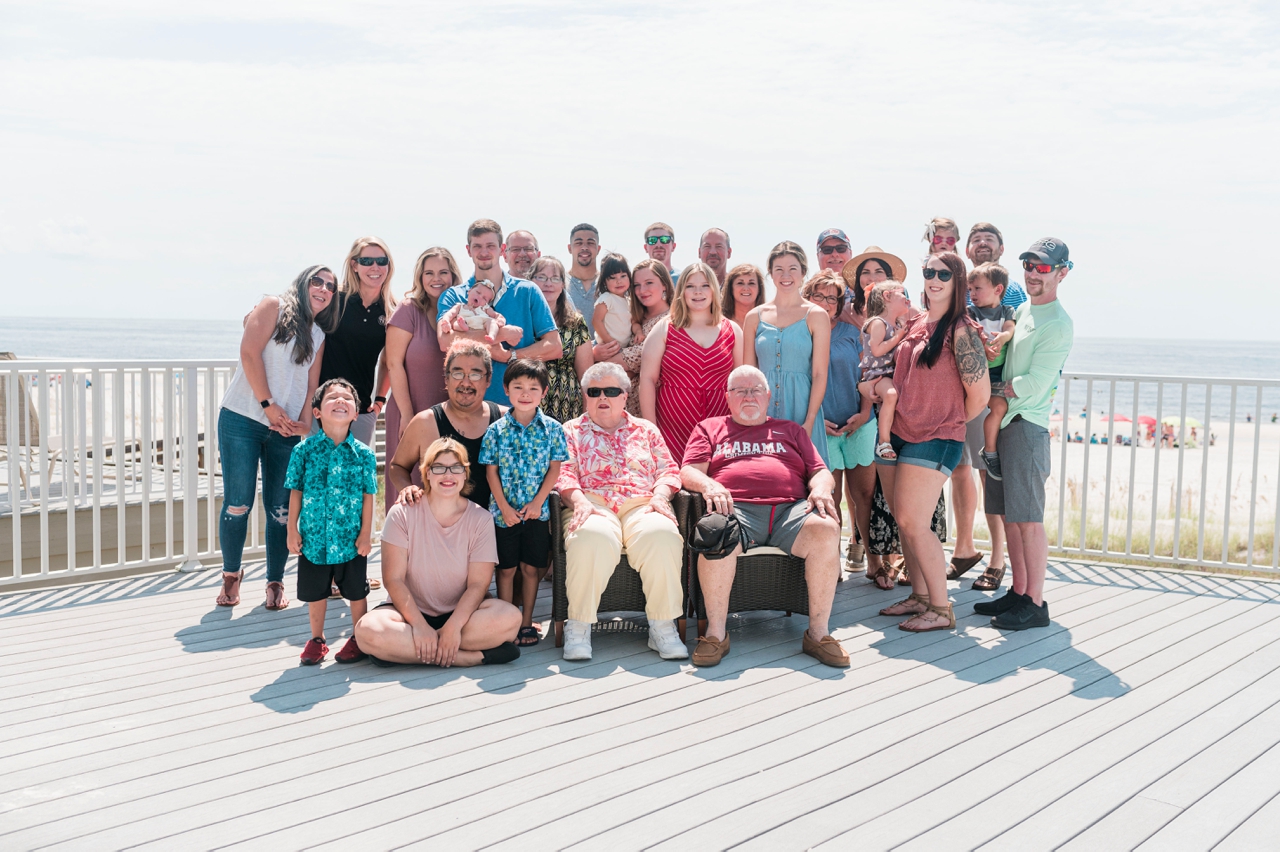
[687, 360]
[520, 253]
[941, 377]
[660, 244]
[714, 250]
[530, 331]
[743, 291]
[652, 293]
[355, 349]
[789, 339]
[264, 414]
[833, 250]
[1041, 342]
[414, 359]
[564, 395]
[583, 248]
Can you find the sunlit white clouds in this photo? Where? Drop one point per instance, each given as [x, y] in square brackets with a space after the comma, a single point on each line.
[194, 158]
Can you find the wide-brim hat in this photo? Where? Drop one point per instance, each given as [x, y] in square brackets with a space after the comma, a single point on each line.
[896, 266]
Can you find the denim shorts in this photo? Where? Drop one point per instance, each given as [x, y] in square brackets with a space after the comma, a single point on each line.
[937, 454]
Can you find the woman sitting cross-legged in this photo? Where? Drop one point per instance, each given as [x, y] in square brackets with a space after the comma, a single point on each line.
[438, 556]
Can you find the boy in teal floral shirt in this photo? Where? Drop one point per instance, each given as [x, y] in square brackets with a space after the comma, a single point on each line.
[333, 477]
[523, 451]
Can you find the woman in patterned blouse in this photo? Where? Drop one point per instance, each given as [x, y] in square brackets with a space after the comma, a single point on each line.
[563, 401]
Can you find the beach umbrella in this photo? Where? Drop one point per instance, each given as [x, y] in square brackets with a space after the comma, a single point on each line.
[1146, 420]
[1119, 418]
[1174, 420]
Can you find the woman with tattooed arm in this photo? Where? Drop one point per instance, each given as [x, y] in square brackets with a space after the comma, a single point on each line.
[940, 371]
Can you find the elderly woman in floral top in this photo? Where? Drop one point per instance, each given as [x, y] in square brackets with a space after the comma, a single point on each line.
[618, 484]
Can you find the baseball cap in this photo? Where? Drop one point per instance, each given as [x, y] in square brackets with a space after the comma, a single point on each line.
[1047, 250]
[834, 232]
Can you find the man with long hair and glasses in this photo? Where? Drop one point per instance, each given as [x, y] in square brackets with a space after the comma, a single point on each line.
[1042, 339]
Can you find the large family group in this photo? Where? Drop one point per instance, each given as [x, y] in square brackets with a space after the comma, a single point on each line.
[617, 386]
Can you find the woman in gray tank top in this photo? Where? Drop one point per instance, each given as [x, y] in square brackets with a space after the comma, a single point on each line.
[265, 411]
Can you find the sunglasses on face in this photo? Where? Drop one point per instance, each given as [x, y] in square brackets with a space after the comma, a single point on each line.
[653, 241]
[442, 469]
[944, 241]
[943, 274]
[612, 393]
[370, 261]
[1042, 268]
[829, 250]
[459, 375]
[319, 282]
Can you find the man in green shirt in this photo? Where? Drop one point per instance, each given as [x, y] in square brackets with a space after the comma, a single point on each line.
[1041, 342]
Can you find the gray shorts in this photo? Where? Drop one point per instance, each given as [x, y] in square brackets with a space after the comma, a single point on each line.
[1024, 463]
[973, 442]
[776, 525]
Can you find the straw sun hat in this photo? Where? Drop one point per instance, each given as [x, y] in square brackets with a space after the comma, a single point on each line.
[897, 268]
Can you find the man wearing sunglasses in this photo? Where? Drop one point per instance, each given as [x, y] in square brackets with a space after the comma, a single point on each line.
[660, 244]
[520, 252]
[833, 250]
[1041, 342]
[530, 331]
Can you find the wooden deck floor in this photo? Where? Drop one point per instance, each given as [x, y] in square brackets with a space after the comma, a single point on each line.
[136, 713]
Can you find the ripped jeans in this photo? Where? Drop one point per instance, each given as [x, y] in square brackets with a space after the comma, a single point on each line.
[243, 443]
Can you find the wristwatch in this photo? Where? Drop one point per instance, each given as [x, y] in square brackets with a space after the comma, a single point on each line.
[267, 403]
[381, 399]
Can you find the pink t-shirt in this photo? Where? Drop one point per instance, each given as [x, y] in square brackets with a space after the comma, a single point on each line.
[770, 462]
[438, 556]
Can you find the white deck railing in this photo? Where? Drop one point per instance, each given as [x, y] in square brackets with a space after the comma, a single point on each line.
[97, 460]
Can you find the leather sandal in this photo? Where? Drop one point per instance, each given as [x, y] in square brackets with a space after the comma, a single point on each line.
[230, 588]
[959, 566]
[275, 596]
[947, 612]
[990, 580]
[904, 576]
[879, 575]
[909, 601]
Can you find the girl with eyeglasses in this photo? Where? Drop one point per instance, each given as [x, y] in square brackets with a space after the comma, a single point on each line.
[263, 415]
[355, 349]
[563, 401]
[414, 360]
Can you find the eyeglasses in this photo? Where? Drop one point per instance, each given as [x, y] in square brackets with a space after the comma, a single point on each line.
[944, 241]
[473, 375]
[943, 274]
[319, 282]
[830, 250]
[370, 261]
[548, 279]
[1043, 268]
[612, 393]
[653, 241]
[830, 300]
[522, 249]
[746, 392]
[442, 469]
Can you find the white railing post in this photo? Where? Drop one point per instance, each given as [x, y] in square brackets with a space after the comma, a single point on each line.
[190, 456]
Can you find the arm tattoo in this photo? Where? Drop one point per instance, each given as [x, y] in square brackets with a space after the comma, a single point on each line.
[971, 358]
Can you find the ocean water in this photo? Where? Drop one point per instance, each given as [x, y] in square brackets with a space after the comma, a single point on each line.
[114, 339]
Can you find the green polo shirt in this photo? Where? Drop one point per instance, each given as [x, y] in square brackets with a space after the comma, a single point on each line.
[1041, 342]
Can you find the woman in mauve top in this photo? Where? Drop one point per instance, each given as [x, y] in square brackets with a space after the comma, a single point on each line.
[941, 375]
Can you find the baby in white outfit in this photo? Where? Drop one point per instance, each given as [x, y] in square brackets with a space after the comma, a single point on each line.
[477, 314]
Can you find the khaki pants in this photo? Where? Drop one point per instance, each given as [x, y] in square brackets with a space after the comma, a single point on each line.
[654, 549]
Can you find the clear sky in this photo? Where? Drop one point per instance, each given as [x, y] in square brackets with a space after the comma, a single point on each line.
[166, 159]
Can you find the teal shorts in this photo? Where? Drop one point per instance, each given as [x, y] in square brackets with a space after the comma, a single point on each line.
[857, 449]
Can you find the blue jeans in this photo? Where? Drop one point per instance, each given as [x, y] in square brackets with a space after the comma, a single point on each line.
[243, 443]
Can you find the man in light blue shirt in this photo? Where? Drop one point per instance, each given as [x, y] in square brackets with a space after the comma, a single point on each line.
[530, 331]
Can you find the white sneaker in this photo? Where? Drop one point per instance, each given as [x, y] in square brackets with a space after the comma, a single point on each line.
[664, 639]
[577, 641]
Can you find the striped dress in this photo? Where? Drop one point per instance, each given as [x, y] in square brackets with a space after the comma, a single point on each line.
[691, 384]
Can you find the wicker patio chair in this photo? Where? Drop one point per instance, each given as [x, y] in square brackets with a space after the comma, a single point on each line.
[624, 592]
[767, 578]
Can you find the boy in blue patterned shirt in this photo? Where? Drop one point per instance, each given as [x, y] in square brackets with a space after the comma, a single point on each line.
[333, 478]
[523, 451]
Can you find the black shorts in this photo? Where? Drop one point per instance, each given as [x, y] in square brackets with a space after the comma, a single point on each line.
[314, 580]
[435, 622]
[529, 543]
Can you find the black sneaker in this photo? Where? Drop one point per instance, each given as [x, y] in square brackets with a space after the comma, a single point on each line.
[992, 461]
[995, 606]
[1024, 615]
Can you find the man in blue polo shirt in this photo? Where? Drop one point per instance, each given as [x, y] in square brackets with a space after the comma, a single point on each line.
[531, 329]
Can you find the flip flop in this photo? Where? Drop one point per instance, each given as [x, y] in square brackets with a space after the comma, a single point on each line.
[528, 636]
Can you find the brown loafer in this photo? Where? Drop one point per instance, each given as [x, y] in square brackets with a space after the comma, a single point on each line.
[959, 566]
[710, 652]
[829, 652]
[230, 588]
[275, 596]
